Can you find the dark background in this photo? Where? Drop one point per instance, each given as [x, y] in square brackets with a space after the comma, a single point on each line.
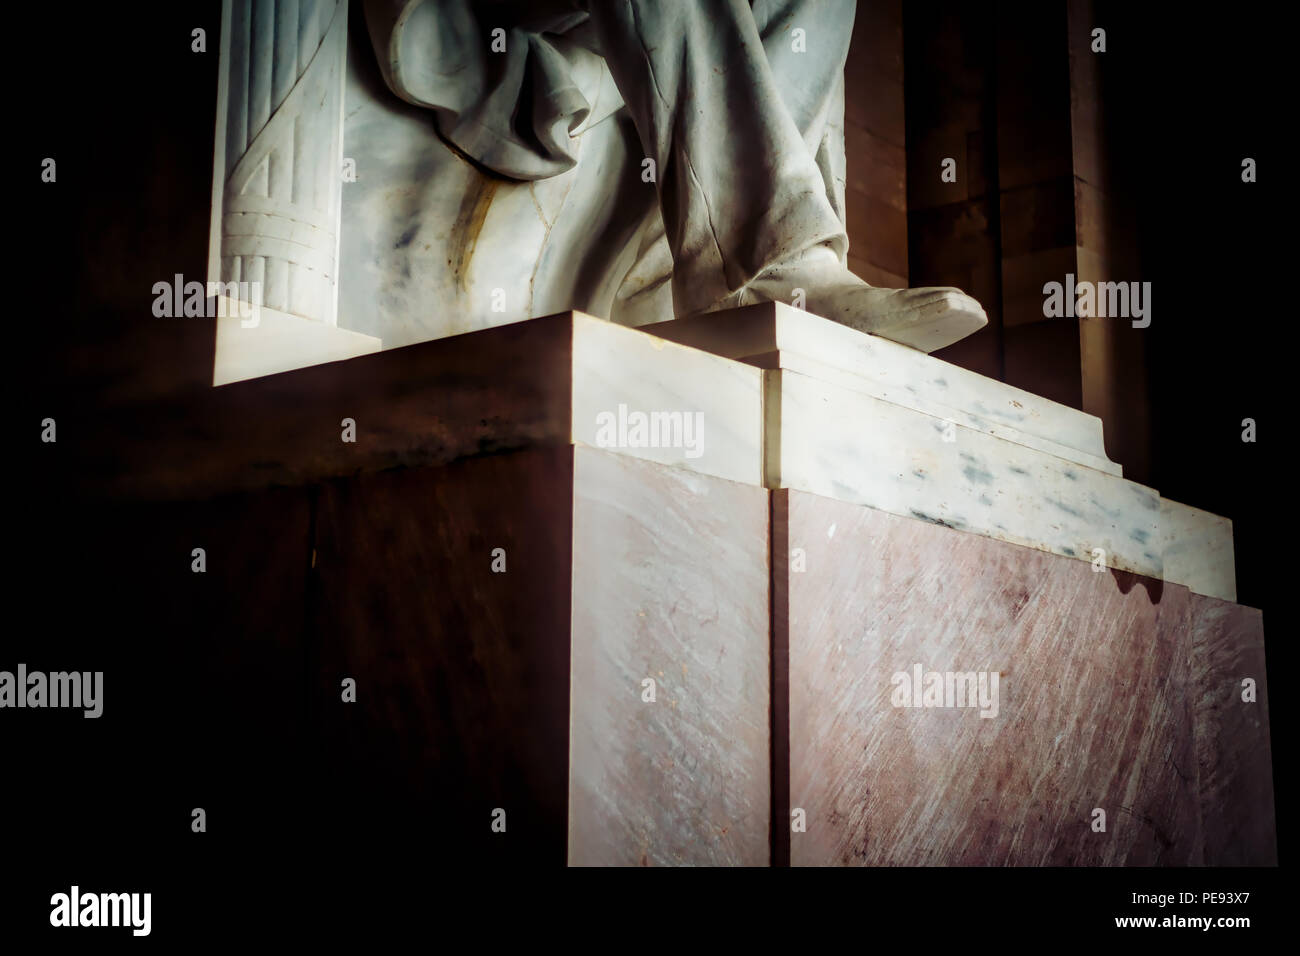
[115, 95]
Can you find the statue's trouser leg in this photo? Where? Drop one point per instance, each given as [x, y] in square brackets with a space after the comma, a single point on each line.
[739, 188]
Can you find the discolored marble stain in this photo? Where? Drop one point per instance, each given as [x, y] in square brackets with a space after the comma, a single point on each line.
[469, 223]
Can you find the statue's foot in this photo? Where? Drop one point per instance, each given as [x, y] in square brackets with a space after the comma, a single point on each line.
[926, 319]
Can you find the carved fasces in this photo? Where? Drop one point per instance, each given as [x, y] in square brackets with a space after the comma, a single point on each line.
[284, 65]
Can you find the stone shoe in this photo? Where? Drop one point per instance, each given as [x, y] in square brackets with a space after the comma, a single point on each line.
[925, 319]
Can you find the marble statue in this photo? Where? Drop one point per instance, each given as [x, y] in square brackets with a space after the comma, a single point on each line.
[637, 161]
[737, 108]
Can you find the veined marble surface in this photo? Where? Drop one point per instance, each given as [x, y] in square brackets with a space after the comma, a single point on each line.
[1114, 693]
[843, 444]
[865, 420]
[555, 380]
[774, 335]
[669, 584]
[616, 366]
[1198, 550]
[546, 382]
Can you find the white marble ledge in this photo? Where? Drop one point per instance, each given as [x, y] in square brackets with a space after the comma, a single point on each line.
[821, 430]
[824, 438]
[773, 335]
[824, 433]
[1198, 550]
[251, 343]
[665, 402]
[840, 443]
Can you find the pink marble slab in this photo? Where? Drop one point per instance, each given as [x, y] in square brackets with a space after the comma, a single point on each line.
[670, 583]
[1232, 737]
[1114, 694]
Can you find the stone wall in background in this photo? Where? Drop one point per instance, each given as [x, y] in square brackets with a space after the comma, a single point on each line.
[1023, 106]
[874, 146]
